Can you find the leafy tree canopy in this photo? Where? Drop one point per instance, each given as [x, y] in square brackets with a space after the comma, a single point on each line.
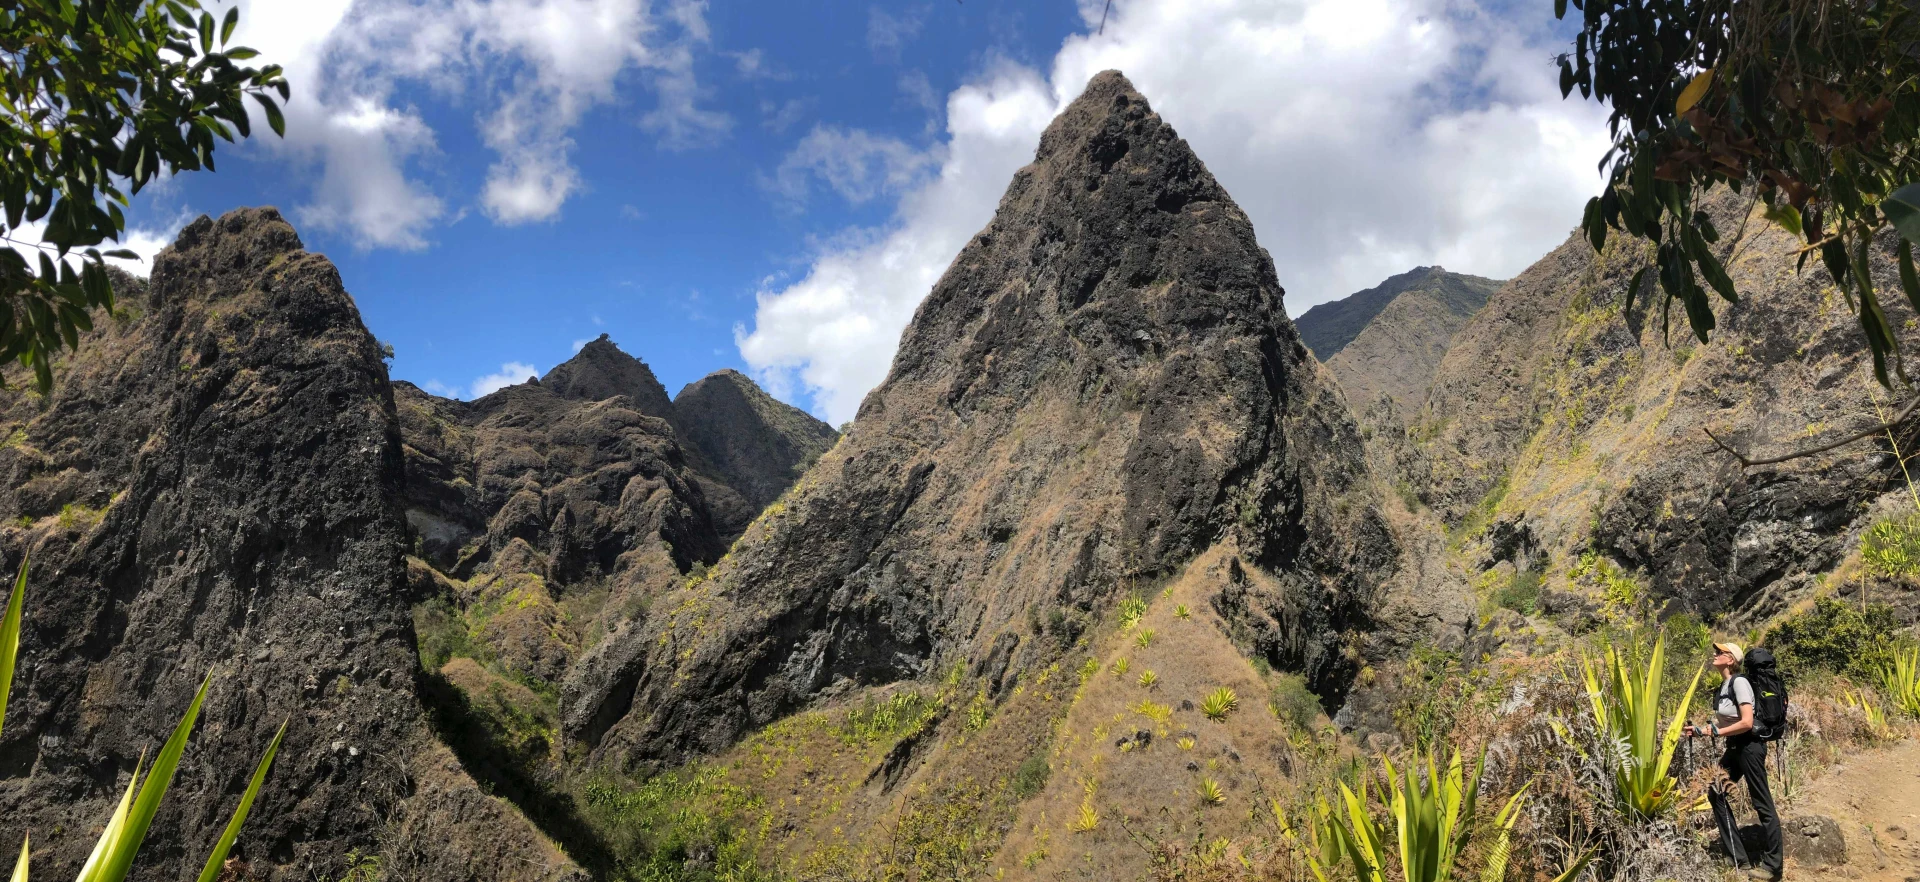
[97, 99]
[1812, 104]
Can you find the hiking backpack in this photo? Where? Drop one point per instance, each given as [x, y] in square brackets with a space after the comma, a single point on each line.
[1769, 695]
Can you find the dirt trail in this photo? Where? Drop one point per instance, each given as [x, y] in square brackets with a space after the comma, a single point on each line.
[1875, 796]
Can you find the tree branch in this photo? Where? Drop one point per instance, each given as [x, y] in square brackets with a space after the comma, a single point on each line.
[1749, 462]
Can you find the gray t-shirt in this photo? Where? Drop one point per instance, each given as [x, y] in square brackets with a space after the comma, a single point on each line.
[1733, 693]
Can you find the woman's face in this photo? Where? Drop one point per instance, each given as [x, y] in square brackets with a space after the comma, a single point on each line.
[1722, 658]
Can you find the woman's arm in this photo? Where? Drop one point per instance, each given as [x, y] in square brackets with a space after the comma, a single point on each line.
[1744, 725]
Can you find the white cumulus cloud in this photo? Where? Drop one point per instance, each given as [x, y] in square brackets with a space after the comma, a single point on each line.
[511, 373]
[1363, 137]
[855, 163]
[531, 68]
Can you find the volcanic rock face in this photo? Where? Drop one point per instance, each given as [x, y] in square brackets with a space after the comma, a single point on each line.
[1103, 386]
[1396, 354]
[547, 496]
[756, 445]
[1571, 427]
[214, 486]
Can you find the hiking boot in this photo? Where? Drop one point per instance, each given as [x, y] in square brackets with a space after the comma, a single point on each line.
[1762, 874]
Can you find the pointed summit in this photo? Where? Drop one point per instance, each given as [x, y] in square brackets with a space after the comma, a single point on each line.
[600, 370]
[754, 442]
[1101, 388]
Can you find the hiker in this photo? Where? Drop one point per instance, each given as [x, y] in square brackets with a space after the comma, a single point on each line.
[1746, 756]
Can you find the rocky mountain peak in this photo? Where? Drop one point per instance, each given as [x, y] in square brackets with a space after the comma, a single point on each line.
[1387, 366]
[1328, 327]
[754, 442]
[600, 371]
[1102, 387]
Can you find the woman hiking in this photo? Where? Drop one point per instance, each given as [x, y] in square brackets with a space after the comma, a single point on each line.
[1746, 756]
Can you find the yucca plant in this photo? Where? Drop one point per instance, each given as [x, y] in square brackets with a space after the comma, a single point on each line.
[1149, 679]
[1900, 680]
[1159, 713]
[1120, 666]
[1089, 817]
[1180, 611]
[1144, 639]
[1626, 705]
[1210, 792]
[1186, 742]
[112, 857]
[1432, 828]
[1876, 715]
[1219, 703]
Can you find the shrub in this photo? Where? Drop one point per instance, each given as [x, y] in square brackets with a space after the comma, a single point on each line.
[1031, 777]
[1521, 593]
[1835, 637]
[1891, 547]
[1219, 703]
[1132, 607]
[1293, 703]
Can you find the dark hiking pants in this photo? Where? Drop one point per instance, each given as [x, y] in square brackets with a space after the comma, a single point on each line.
[1746, 760]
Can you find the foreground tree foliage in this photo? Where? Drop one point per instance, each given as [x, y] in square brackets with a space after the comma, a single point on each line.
[1811, 105]
[98, 98]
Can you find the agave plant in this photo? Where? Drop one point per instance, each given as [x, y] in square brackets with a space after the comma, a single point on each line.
[1210, 792]
[1149, 679]
[1899, 679]
[1626, 705]
[1432, 828]
[1219, 703]
[1145, 638]
[112, 857]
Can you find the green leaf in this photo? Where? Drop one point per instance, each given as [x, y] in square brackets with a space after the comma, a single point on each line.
[10, 638]
[1787, 217]
[226, 27]
[1903, 209]
[275, 120]
[1909, 281]
[110, 838]
[115, 865]
[1711, 268]
[219, 855]
[1633, 289]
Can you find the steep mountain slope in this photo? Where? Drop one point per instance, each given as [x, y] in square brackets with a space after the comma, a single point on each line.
[754, 443]
[1399, 349]
[1559, 426]
[213, 487]
[1328, 328]
[1103, 387]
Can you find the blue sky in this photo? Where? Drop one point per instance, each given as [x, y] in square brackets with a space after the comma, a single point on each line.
[772, 186]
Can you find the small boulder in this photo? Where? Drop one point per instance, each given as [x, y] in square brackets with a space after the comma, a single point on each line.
[1814, 840]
